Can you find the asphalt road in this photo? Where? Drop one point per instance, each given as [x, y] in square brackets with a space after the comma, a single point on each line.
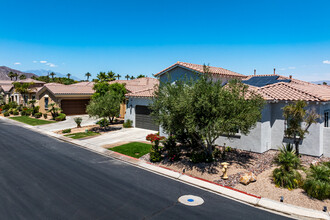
[43, 178]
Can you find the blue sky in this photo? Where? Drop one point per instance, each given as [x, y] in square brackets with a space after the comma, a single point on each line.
[144, 37]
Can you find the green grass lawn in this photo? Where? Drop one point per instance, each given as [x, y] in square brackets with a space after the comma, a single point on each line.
[31, 121]
[134, 149]
[81, 135]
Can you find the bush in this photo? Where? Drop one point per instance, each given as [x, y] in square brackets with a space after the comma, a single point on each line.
[15, 112]
[36, 109]
[173, 151]
[6, 114]
[128, 123]
[155, 156]
[38, 115]
[103, 123]
[60, 117]
[78, 121]
[287, 175]
[200, 157]
[66, 131]
[317, 183]
[23, 113]
[45, 115]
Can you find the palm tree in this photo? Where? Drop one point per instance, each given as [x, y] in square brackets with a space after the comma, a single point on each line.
[132, 77]
[141, 76]
[21, 77]
[15, 75]
[68, 75]
[110, 76]
[23, 89]
[88, 75]
[11, 75]
[52, 74]
[127, 76]
[118, 76]
[102, 76]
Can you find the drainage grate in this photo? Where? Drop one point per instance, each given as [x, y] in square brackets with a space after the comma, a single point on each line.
[191, 200]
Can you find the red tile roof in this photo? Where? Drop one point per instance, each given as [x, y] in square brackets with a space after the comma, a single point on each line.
[200, 68]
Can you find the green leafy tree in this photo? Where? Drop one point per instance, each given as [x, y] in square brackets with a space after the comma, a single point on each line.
[106, 106]
[21, 77]
[141, 76]
[127, 77]
[101, 88]
[295, 115]
[88, 75]
[201, 110]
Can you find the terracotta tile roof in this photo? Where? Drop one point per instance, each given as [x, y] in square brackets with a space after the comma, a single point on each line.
[142, 93]
[29, 80]
[80, 89]
[200, 68]
[142, 87]
[7, 88]
[293, 90]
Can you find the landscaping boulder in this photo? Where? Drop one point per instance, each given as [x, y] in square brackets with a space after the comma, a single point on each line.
[247, 178]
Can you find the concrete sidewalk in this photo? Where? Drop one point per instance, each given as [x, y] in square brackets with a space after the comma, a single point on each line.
[291, 210]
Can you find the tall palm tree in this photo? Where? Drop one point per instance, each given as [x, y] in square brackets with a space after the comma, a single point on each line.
[23, 89]
[11, 75]
[118, 76]
[102, 76]
[127, 76]
[132, 77]
[21, 77]
[15, 75]
[68, 75]
[88, 75]
[52, 75]
[111, 76]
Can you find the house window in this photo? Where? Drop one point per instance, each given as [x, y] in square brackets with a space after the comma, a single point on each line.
[326, 119]
[46, 102]
[25, 98]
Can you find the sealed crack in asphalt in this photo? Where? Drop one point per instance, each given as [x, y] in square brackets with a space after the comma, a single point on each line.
[160, 211]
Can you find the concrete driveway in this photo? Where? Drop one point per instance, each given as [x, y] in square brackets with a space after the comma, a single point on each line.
[123, 135]
[68, 123]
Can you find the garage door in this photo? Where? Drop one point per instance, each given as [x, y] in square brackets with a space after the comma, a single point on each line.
[74, 107]
[143, 118]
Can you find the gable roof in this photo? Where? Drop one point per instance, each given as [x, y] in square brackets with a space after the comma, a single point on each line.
[142, 87]
[200, 69]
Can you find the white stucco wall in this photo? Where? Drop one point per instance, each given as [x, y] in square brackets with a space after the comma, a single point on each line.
[130, 107]
[326, 142]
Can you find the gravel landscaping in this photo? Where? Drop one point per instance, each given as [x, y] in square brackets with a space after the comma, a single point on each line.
[242, 162]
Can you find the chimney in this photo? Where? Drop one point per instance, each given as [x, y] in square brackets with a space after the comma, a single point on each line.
[255, 72]
[290, 76]
[274, 71]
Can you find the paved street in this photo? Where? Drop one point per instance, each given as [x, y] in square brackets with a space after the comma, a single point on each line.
[43, 178]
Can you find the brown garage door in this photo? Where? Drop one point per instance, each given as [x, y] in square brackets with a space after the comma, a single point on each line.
[74, 107]
[143, 118]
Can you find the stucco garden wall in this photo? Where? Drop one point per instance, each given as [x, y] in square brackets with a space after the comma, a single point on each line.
[130, 107]
[326, 142]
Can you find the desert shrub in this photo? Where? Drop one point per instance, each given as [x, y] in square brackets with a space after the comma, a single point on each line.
[78, 121]
[38, 115]
[35, 109]
[317, 183]
[45, 115]
[103, 123]
[155, 156]
[173, 151]
[60, 117]
[286, 175]
[6, 114]
[200, 157]
[128, 123]
[327, 164]
[216, 153]
[66, 131]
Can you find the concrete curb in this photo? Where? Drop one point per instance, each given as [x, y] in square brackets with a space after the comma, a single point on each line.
[291, 210]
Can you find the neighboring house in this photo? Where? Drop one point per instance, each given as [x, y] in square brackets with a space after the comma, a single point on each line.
[72, 99]
[6, 86]
[277, 90]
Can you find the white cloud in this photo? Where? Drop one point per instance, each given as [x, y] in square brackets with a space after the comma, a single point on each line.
[282, 68]
[34, 61]
[51, 65]
[326, 61]
[43, 61]
[291, 67]
[17, 63]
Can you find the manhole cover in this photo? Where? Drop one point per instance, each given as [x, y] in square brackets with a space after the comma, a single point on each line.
[191, 200]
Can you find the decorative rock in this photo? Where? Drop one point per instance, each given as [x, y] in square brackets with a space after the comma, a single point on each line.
[247, 178]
